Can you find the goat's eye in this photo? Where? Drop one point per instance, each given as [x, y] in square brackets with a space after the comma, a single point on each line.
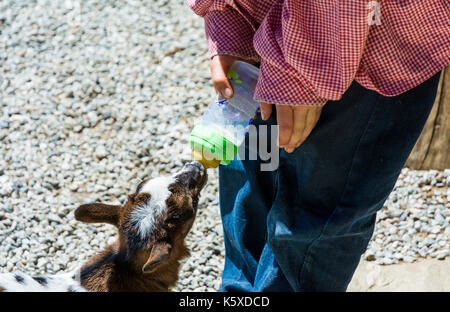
[176, 217]
[180, 217]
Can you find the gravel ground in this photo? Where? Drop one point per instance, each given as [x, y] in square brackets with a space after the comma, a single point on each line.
[96, 97]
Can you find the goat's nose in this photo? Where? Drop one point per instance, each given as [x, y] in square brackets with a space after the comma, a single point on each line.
[196, 166]
[193, 173]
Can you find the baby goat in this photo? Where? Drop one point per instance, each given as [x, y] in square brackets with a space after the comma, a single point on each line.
[152, 227]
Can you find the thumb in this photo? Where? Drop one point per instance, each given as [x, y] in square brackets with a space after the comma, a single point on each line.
[220, 65]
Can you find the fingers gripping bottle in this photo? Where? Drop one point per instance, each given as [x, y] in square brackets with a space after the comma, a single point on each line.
[222, 128]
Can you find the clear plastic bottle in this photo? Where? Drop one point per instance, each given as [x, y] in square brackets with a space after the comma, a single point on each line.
[222, 128]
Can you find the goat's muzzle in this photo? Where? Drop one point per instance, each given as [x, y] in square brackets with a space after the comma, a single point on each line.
[193, 175]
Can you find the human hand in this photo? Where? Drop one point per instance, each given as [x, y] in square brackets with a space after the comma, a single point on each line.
[295, 123]
[220, 64]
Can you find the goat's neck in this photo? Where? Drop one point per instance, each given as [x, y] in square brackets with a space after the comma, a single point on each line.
[111, 271]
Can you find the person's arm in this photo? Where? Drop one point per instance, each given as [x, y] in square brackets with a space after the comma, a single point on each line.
[227, 31]
[230, 37]
[310, 52]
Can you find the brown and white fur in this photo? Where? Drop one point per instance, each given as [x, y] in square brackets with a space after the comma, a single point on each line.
[152, 228]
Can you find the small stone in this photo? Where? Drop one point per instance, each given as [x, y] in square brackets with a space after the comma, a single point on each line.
[4, 124]
[441, 255]
[409, 259]
[435, 229]
[78, 128]
[100, 152]
[54, 218]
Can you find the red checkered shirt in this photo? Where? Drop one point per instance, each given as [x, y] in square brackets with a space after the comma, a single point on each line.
[311, 51]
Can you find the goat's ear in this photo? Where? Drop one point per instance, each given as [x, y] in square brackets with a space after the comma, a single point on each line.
[159, 253]
[98, 213]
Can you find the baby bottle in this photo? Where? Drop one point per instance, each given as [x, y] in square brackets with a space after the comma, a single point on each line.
[221, 130]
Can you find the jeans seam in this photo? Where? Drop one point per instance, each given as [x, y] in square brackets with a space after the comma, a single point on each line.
[307, 259]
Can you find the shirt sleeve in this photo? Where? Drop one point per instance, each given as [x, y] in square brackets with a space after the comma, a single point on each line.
[310, 50]
[227, 30]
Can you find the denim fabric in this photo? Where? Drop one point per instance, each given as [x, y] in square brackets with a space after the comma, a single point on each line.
[305, 226]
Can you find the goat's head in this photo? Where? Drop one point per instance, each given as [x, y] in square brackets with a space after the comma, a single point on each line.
[156, 218]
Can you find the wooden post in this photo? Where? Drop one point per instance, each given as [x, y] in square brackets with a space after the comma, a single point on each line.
[432, 150]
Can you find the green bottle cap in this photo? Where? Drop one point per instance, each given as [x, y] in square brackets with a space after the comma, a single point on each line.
[205, 141]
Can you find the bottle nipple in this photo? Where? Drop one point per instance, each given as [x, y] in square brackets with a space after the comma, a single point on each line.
[207, 160]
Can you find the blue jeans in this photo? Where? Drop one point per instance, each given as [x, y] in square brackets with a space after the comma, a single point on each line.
[305, 226]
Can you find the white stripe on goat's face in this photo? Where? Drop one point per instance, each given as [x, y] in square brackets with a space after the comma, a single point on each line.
[144, 217]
